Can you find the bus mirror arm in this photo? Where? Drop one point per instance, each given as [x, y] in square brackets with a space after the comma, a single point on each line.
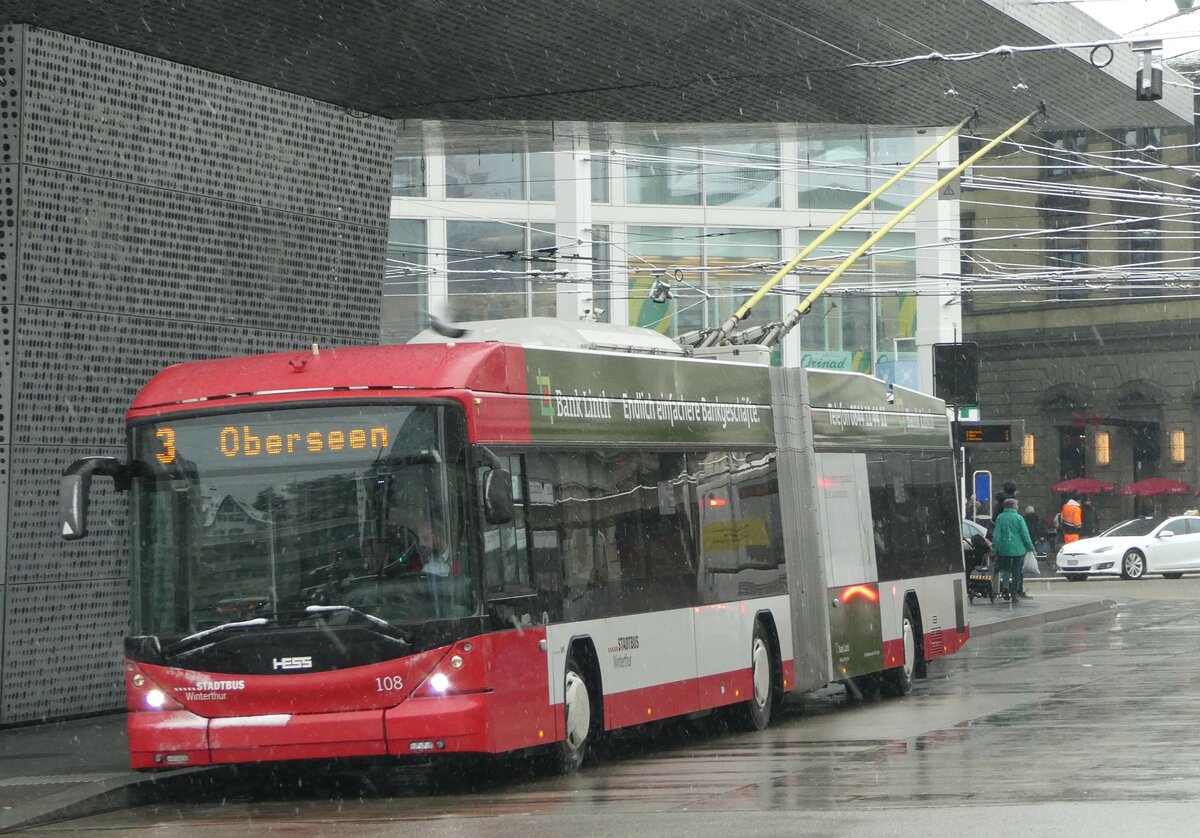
[75, 491]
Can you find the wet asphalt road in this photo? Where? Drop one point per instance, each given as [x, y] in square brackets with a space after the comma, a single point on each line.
[1083, 727]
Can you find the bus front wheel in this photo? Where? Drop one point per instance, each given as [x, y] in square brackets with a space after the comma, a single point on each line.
[568, 755]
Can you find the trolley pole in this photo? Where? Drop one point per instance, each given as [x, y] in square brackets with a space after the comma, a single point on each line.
[742, 313]
[774, 335]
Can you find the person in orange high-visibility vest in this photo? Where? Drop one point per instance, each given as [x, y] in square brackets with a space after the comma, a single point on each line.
[1072, 521]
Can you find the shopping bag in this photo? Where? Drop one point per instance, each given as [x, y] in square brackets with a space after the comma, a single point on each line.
[1031, 565]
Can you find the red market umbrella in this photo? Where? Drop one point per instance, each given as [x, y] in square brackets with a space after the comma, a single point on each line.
[1082, 486]
[1157, 486]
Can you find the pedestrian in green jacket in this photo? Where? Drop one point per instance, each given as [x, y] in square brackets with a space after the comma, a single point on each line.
[1011, 541]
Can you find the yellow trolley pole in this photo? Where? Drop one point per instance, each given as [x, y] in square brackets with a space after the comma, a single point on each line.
[776, 334]
[715, 338]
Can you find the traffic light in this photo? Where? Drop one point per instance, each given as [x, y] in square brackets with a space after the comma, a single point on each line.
[956, 372]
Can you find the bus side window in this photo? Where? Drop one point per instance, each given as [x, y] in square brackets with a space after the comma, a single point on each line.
[505, 547]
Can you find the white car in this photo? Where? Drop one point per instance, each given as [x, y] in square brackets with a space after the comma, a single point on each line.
[1131, 549]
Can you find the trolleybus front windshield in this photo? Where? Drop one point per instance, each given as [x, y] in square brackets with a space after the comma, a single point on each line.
[301, 516]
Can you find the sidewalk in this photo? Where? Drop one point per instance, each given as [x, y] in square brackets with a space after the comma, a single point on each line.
[1053, 599]
[63, 770]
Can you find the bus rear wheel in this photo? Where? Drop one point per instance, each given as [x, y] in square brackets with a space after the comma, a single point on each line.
[755, 712]
[899, 681]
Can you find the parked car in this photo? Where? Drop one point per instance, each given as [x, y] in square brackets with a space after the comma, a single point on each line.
[1131, 549]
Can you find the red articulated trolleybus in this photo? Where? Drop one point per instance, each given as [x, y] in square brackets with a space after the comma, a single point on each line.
[485, 546]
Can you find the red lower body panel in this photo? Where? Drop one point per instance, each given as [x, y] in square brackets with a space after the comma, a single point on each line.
[945, 642]
[416, 726]
[663, 701]
[177, 734]
[936, 644]
[458, 722]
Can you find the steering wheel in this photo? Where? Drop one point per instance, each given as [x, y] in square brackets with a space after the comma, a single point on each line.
[401, 553]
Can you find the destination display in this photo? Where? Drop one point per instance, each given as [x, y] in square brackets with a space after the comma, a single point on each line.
[306, 436]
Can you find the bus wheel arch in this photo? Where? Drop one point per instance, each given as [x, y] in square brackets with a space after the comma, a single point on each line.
[582, 693]
[921, 667]
[767, 620]
[755, 712]
[899, 680]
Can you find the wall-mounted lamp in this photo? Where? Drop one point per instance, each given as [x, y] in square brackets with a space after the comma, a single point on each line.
[1028, 457]
[1103, 455]
[1178, 446]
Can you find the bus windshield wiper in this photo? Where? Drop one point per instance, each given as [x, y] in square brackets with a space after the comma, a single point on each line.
[184, 643]
[389, 630]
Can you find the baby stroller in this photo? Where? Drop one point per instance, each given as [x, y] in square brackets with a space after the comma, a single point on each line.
[982, 572]
[983, 579]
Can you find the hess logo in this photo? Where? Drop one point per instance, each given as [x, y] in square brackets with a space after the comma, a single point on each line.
[291, 663]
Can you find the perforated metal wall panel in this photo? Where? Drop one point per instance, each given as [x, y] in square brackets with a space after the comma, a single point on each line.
[152, 214]
[3, 610]
[36, 552]
[119, 116]
[118, 246]
[79, 370]
[62, 648]
[10, 145]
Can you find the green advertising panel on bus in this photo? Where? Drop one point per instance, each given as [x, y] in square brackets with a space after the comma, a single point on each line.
[616, 398]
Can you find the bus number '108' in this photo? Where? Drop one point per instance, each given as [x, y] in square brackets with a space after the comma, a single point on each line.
[389, 683]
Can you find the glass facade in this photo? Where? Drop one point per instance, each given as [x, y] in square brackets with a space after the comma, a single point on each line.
[497, 176]
[408, 176]
[833, 169]
[890, 154]
[664, 255]
[662, 175]
[478, 255]
[668, 251]
[405, 281]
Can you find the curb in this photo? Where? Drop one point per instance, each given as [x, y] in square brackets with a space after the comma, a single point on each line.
[1030, 620]
[95, 798]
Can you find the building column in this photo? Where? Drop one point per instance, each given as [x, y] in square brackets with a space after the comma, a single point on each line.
[573, 218]
[939, 308]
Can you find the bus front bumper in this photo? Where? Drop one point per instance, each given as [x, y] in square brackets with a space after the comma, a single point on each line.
[415, 727]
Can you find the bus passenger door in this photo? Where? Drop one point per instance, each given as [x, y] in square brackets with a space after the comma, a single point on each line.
[521, 713]
[855, 623]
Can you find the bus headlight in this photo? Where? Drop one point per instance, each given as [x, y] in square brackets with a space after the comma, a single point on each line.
[156, 699]
[439, 682]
